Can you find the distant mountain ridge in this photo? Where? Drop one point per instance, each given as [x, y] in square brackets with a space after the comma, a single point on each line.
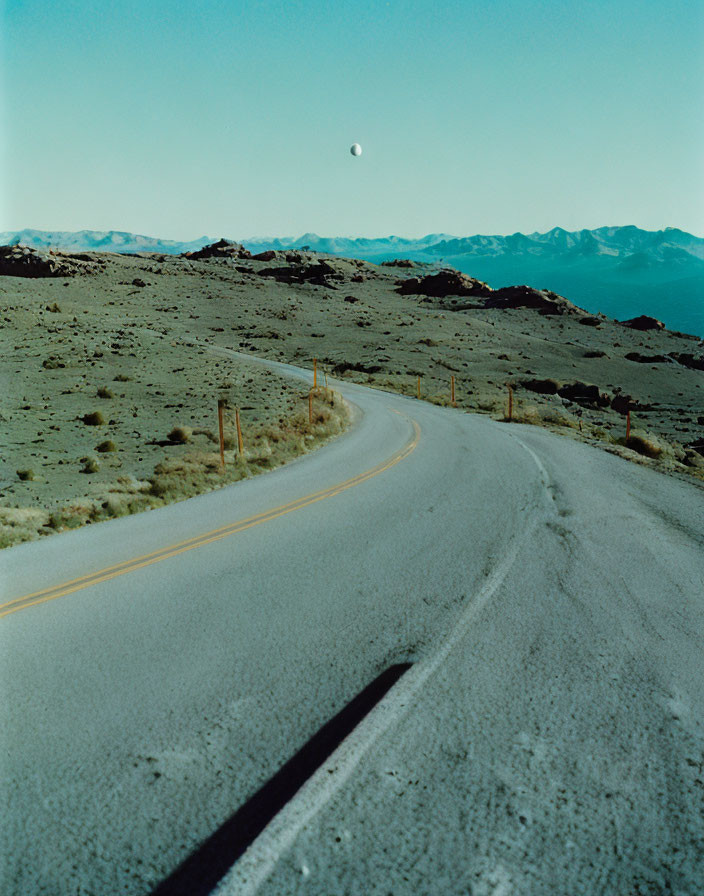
[666, 245]
[622, 271]
[99, 241]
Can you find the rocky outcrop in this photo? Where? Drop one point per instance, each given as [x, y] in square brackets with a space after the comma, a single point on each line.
[320, 273]
[624, 403]
[453, 283]
[21, 261]
[646, 359]
[399, 263]
[643, 323]
[584, 394]
[442, 284]
[221, 249]
[689, 360]
[543, 387]
[541, 300]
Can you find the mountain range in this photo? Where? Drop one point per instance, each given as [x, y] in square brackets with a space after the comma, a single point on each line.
[621, 271]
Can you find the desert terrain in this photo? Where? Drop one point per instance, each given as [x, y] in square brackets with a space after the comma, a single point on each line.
[112, 377]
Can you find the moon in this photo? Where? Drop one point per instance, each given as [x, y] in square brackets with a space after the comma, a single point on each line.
[356, 149]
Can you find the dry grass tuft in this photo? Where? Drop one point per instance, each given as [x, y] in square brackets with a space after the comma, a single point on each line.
[643, 444]
[107, 445]
[18, 524]
[25, 475]
[104, 392]
[180, 434]
[93, 419]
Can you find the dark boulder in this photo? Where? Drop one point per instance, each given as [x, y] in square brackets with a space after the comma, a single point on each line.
[544, 387]
[584, 394]
[541, 300]
[320, 273]
[646, 359]
[643, 323]
[221, 249]
[23, 261]
[623, 403]
[689, 360]
[444, 283]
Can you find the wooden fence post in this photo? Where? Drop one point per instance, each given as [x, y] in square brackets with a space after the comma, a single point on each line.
[510, 404]
[221, 406]
[240, 443]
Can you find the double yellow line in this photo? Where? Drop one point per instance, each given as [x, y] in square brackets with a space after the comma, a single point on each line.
[119, 569]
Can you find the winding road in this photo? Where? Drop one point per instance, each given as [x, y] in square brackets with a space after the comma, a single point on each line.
[547, 737]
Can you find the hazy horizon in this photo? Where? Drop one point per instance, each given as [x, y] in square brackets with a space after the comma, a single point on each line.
[236, 119]
[349, 236]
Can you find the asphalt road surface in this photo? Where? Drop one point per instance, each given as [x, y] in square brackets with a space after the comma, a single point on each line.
[547, 738]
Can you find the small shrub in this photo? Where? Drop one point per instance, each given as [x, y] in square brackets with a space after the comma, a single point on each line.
[180, 434]
[53, 308]
[104, 392]
[105, 446]
[90, 465]
[122, 378]
[25, 475]
[93, 419]
[645, 445]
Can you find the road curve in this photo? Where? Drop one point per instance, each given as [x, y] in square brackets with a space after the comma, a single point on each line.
[158, 669]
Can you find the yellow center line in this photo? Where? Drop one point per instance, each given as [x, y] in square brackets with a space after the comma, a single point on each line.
[119, 569]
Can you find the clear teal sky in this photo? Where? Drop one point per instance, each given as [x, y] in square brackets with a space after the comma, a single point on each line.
[235, 118]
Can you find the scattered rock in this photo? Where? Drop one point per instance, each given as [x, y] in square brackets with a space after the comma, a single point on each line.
[688, 360]
[25, 475]
[623, 403]
[399, 263]
[590, 321]
[697, 445]
[646, 359]
[544, 387]
[138, 282]
[343, 366]
[583, 394]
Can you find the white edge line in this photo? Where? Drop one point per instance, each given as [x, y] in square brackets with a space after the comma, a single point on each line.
[261, 858]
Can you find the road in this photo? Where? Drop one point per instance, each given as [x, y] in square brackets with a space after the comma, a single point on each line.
[547, 738]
